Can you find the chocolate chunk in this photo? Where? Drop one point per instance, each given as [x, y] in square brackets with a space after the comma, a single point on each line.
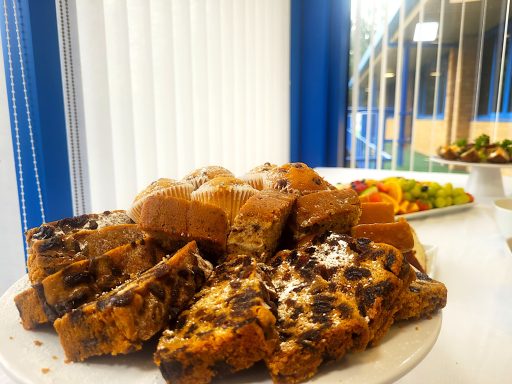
[44, 232]
[74, 279]
[356, 273]
[172, 370]
[51, 243]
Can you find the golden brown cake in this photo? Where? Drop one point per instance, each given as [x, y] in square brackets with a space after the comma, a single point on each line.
[119, 321]
[201, 175]
[54, 230]
[31, 310]
[259, 225]
[397, 234]
[372, 213]
[81, 281]
[228, 193]
[173, 221]
[423, 298]
[315, 213]
[295, 178]
[230, 326]
[256, 175]
[167, 187]
[51, 255]
[317, 321]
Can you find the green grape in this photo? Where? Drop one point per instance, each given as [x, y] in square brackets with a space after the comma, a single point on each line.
[407, 196]
[449, 200]
[448, 188]
[461, 199]
[433, 188]
[458, 192]
[416, 191]
[441, 193]
[408, 184]
[440, 202]
[424, 196]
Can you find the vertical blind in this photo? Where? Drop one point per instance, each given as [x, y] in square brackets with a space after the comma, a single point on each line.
[158, 88]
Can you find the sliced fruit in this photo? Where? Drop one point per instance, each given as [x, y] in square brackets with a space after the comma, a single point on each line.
[376, 197]
[403, 207]
[369, 191]
[413, 207]
[388, 199]
[394, 190]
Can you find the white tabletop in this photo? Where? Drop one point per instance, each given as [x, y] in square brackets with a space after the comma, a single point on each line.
[475, 343]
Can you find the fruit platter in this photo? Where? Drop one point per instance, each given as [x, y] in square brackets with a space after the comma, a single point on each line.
[409, 196]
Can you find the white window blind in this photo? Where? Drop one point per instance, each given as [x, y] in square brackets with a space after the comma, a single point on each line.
[166, 86]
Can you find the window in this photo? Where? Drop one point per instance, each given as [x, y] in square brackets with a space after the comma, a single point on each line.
[427, 89]
[488, 104]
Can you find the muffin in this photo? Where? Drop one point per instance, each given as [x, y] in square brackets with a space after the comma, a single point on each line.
[167, 187]
[202, 175]
[228, 193]
[256, 175]
[295, 178]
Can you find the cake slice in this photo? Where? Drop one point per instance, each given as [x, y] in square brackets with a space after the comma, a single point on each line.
[336, 294]
[375, 274]
[259, 224]
[230, 326]
[48, 257]
[423, 298]
[315, 213]
[81, 281]
[60, 228]
[317, 322]
[172, 220]
[119, 321]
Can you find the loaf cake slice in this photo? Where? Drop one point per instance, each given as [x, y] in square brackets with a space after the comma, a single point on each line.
[82, 280]
[423, 298]
[317, 321]
[259, 224]
[172, 220]
[63, 227]
[119, 321]
[375, 274]
[336, 295]
[50, 256]
[315, 213]
[230, 326]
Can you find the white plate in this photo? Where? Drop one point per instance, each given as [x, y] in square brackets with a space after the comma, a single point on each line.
[468, 164]
[402, 349]
[437, 211]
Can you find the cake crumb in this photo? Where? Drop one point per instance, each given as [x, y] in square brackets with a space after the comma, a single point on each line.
[417, 328]
[55, 357]
[45, 370]
[11, 338]
[38, 343]
[67, 361]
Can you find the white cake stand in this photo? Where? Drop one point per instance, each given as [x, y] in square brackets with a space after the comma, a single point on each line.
[484, 179]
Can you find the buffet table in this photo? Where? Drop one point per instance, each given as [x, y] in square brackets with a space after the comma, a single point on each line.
[475, 263]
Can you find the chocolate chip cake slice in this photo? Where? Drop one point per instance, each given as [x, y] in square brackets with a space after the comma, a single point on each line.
[375, 274]
[119, 321]
[423, 298]
[316, 321]
[230, 326]
[258, 226]
[51, 255]
[63, 227]
[81, 281]
[336, 295]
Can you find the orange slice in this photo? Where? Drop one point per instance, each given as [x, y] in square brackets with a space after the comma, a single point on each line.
[388, 199]
[394, 190]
